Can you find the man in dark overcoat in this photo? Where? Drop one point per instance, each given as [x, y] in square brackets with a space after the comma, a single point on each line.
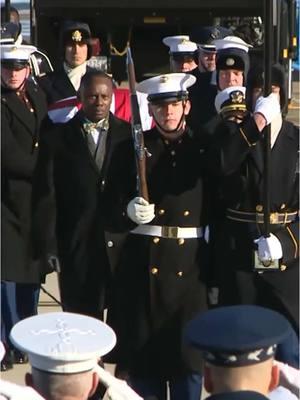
[85, 168]
[269, 277]
[23, 109]
[160, 282]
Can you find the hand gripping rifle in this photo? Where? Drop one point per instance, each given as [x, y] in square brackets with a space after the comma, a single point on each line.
[269, 23]
[137, 132]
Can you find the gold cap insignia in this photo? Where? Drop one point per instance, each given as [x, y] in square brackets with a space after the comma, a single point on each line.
[237, 97]
[230, 62]
[163, 79]
[184, 41]
[77, 36]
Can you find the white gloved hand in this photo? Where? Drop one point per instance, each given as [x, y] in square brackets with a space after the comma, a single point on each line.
[117, 389]
[269, 107]
[269, 248]
[140, 211]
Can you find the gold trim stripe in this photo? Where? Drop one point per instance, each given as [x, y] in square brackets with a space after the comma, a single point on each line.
[294, 241]
[245, 138]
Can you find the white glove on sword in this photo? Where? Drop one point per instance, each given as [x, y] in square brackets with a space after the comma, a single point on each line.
[117, 389]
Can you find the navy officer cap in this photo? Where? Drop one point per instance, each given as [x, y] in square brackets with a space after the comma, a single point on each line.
[205, 36]
[9, 32]
[237, 336]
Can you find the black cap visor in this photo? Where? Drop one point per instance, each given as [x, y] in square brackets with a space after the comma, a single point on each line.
[14, 64]
[169, 97]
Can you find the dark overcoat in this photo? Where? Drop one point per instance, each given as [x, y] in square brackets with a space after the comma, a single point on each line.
[57, 85]
[160, 283]
[202, 96]
[80, 210]
[20, 131]
[240, 169]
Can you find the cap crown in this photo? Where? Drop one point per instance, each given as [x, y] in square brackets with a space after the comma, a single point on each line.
[11, 52]
[230, 42]
[180, 44]
[166, 85]
[63, 342]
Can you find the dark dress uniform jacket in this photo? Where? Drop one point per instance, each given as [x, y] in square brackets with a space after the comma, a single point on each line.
[57, 85]
[80, 209]
[19, 149]
[159, 284]
[241, 166]
[202, 96]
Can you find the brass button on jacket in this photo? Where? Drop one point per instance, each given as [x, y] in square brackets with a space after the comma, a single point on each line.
[154, 271]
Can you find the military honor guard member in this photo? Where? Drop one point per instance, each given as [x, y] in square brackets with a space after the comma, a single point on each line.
[75, 49]
[239, 345]
[23, 111]
[64, 351]
[254, 269]
[160, 282]
[204, 37]
[183, 53]
[232, 62]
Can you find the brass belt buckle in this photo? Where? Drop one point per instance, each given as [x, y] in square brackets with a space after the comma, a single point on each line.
[169, 232]
[274, 218]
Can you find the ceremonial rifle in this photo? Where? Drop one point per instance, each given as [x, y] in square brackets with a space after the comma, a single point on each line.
[268, 57]
[137, 133]
[269, 9]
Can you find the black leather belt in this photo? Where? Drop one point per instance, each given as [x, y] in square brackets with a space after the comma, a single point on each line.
[258, 218]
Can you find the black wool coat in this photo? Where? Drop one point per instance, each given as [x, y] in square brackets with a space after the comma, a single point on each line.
[57, 85]
[20, 132]
[80, 211]
[160, 283]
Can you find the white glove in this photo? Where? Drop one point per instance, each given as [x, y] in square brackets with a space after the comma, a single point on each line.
[269, 107]
[117, 389]
[17, 392]
[269, 248]
[140, 211]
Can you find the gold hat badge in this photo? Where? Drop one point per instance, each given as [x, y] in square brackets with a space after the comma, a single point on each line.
[237, 97]
[77, 36]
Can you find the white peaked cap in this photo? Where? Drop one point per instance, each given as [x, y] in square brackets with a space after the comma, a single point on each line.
[16, 52]
[180, 44]
[63, 342]
[232, 97]
[162, 85]
[231, 42]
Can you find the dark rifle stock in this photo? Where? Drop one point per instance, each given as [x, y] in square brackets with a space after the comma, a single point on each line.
[137, 132]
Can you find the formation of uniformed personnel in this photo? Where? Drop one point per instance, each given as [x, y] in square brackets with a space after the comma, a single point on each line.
[160, 282]
[270, 276]
[84, 168]
[239, 344]
[23, 110]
